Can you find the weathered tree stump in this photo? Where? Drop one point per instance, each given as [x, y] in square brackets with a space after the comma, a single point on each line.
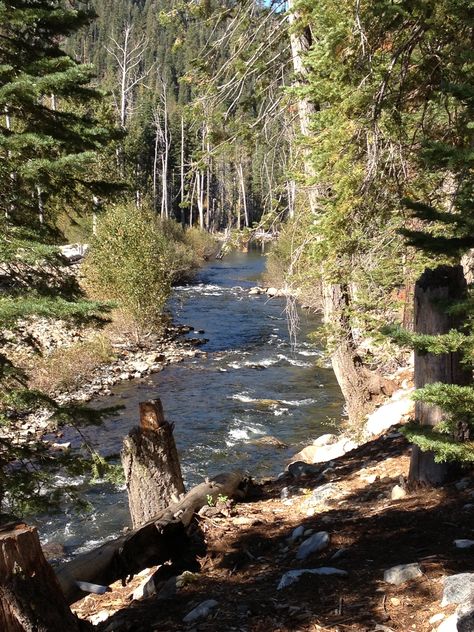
[151, 464]
[434, 288]
[31, 599]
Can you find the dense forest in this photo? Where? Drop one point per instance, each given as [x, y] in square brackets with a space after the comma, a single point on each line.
[344, 128]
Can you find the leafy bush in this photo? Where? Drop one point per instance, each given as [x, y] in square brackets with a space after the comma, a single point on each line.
[136, 256]
[131, 262]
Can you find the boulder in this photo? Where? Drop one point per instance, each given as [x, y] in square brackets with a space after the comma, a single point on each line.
[326, 439]
[402, 573]
[458, 589]
[399, 406]
[321, 454]
[323, 492]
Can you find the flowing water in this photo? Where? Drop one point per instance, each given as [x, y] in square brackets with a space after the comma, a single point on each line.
[251, 384]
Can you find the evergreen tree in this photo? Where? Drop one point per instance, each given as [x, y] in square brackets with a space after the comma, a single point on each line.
[49, 144]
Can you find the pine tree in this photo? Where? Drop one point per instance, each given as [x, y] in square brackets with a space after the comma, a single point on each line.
[49, 144]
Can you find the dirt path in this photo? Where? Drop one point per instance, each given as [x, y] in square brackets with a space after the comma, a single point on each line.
[248, 552]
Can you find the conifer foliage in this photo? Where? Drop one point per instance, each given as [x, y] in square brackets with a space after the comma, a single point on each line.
[49, 144]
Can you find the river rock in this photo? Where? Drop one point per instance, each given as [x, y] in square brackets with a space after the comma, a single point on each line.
[272, 291]
[465, 615]
[270, 441]
[322, 454]
[325, 439]
[402, 573]
[201, 611]
[458, 589]
[449, 625]
[313, 544]
[300, 469]
[291, 577]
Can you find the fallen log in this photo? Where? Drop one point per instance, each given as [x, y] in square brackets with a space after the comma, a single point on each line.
[30, 596]
[151, 464]
[161, 539]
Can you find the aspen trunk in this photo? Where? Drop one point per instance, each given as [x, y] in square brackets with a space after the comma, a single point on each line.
[443, 284]
[31, 599]
[151, 464]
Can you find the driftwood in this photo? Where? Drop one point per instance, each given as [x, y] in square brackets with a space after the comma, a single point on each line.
[151, 464]
[30, 595]
[160, 540]
[434, 288]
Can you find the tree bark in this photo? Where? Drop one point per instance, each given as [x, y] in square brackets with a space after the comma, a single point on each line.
[434, 288]
[360, 387]
[160, 540]
[151, 464]
[31, 599]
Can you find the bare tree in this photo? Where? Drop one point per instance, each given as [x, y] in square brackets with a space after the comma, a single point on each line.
[129, 58]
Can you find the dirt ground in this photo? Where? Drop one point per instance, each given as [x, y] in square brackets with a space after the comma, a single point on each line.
[248, 552]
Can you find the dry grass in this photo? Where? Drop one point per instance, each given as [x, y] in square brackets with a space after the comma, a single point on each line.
[67, 368]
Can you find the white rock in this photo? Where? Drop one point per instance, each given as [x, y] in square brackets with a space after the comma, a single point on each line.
[313, 544]
[436, 618]
[325, 439]
[322, 454]
[297, 534]
[99, 617]
[272, 291]
[463, 544]
[145, 589]
[450, 624]
[458, 588]
[402, 573]
[201, 611]
[389, 414]
[398, 493]
[291, 577]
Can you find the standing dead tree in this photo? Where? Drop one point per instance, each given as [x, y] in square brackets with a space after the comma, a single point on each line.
[151, 464]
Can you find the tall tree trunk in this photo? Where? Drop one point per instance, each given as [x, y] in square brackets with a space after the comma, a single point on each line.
[434, 288]
[358, 385]
[182, 191]
[31, 599]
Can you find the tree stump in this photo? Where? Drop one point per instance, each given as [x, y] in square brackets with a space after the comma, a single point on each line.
[151, 464]
[434, 288]
[31, 599]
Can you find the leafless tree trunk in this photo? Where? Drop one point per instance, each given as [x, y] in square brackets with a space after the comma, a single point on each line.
[129, 58]
[151, 464]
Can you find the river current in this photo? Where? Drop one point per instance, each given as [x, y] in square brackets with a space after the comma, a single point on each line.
[252, 383]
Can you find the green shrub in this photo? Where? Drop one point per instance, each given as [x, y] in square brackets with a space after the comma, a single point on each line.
[131, 262]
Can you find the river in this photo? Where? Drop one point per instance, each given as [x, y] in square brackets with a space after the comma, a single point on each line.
[251, 383]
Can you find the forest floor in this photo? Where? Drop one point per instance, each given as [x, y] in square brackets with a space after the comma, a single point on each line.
[247, 552]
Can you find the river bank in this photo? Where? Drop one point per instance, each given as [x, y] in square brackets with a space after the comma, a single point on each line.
[254, 551]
